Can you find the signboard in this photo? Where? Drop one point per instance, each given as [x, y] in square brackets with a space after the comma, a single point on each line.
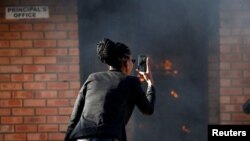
[27, 12]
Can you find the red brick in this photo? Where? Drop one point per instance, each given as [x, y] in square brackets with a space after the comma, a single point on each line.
[34, 85]
[9, 35]
[32, 35]
[74, 85]
[34, 103]
[225, 116]
[44, 26]
[58, 119]
[57, 102]
[231, 91]
[236, 49]
[56, 52]
[4, 27]
[68, 94]
[37, 137]
[10, 52]
[10, 69]
[72, 18]
[22, 94]
[57, 68]
[21, 60]
[225, 99]
[2, 11]
[231, 74]
[34, 119]
[246, 57]
[74, 68]
[231, 108]
[240, 117]
[33, 52]
[20, 27]
[68, 76]
[225, 31]
[10, 103]
[15, 137]
[21, 43]
[68, 60]
[5, 95]
[241, 82]
[57, 18]
[225, 82]
[246, 40]
[23, 111]
[5, 112]
[48, 128]
[22, 77]
[67, 26]
[240, 65]
[6, 128]
[65, 111]
[57, 85]
[231, 57]
[68, 43]
[59, 9]
[33, 68]
[45, 77]
[63, 127]
[44, 60]
[26, 128]
[10, 86]
[4, 44]
[45, 43]
[56, 136]
[73, 51]
[4, 77]
[238, 99]
[46, 111]
[11, 120]
[4, 60]
[72, 102]
[46, 94]
[56, 35]
[73, 35]
[246, 74]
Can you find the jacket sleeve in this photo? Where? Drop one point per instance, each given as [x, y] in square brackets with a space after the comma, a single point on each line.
[76, 113]
[145, 101]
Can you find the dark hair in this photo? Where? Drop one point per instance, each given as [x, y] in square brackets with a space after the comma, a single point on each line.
[112, 53]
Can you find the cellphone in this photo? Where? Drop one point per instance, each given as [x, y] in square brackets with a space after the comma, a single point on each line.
[142, 63]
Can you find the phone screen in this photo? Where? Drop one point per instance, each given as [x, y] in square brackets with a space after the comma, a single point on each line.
[142, 63]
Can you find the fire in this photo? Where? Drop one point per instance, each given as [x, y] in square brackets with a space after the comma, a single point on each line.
[185, 129]
[174, 94]
[168, 67]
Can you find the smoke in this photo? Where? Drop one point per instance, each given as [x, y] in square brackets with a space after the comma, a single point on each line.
[163, 29]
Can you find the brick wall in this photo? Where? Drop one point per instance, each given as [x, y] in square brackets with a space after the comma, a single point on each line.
[39, 71]
[234, 69]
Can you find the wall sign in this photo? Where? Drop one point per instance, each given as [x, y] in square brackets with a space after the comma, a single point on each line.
[27, 12]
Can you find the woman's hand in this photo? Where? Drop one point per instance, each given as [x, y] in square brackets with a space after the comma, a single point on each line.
[147, 75]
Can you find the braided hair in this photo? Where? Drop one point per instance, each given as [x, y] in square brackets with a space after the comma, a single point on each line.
[112, 53]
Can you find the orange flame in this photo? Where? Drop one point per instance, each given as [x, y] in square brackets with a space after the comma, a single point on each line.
[168, 65]
[174, 94]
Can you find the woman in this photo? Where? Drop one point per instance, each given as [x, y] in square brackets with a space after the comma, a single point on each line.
[107, 99]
